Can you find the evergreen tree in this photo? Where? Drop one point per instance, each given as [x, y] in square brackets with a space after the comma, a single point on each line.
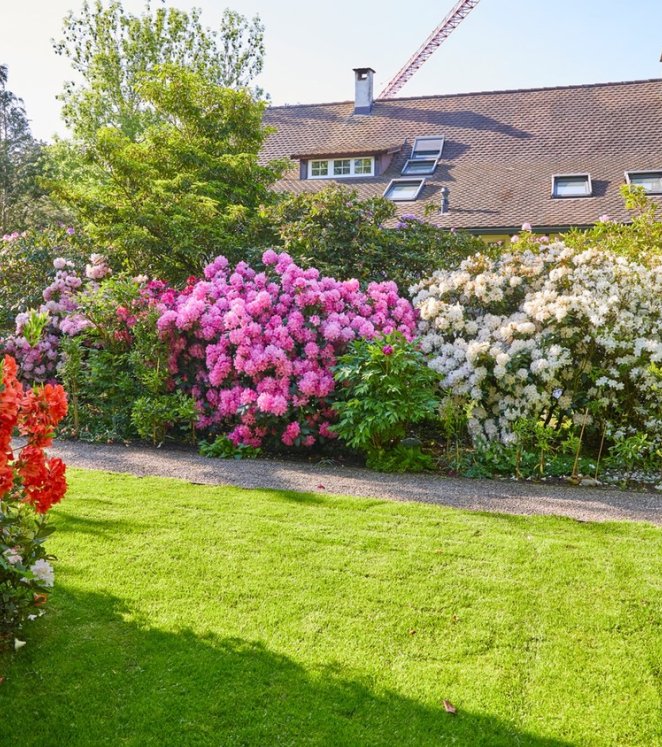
[22, 201]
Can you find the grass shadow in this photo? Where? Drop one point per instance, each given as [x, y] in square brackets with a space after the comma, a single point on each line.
[94, 676]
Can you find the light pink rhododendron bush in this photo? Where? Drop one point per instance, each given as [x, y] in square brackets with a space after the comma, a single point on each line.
[548, 333]
[256, 348]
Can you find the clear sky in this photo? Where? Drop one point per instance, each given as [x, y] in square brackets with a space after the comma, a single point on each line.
[312, 46]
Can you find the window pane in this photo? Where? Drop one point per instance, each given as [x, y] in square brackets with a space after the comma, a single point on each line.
[404, 190]
[427, 147]
[422, 166]
[363, 165]
[651, 182]
[319, 168]
[341, 168]
[571, 186]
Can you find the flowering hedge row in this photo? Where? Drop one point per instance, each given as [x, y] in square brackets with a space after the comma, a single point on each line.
[30, 483]
[256, 348]
[548, 341]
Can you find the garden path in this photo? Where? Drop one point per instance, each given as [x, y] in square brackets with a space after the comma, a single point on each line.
[510, 497]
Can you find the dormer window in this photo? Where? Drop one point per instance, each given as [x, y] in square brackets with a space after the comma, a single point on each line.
[651, 181]
[404, 190]
[572, 185]
[341, 168]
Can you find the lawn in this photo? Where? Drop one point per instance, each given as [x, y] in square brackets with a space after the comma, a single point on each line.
[193, 615]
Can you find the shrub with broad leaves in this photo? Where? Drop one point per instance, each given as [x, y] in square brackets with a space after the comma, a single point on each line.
[568, 336]
[256, 347]
[385, 388]
[30, 483]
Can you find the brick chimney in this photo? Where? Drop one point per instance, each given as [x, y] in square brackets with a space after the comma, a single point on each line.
[363, 96]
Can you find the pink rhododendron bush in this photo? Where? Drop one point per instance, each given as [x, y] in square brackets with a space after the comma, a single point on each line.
[36, 342]
[256, 348]
[565, 337]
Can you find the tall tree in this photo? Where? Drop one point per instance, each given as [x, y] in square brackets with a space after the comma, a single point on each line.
[188, 189]
[111, 50]
[21, 199]
[163, 163]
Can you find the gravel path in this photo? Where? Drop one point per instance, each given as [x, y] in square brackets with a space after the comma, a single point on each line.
[584, 504]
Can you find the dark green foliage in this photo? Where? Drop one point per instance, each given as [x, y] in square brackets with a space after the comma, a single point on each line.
[400, 458]
[223, 448]
[23, 202]
[116, 372]
[344, 236]
[384, 387]
[153, 415]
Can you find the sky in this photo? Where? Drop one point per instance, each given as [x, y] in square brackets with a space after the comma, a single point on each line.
[312, 46]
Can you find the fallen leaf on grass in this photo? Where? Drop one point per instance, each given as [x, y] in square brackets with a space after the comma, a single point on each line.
[449, 707]
[412, 632]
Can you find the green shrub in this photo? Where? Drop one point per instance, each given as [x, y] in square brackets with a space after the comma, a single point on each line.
[223, 448]
[116, 369]
[385, 386]
[153, 415]
[338, 233]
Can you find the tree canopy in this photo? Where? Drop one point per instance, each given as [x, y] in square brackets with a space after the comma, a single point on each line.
[188, 189]
[22, 201]
[162, 167]
[112, 50]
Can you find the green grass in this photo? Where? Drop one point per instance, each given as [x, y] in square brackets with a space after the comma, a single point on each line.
[190, 615]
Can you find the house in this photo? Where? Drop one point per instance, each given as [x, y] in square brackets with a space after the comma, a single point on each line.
[484, 162]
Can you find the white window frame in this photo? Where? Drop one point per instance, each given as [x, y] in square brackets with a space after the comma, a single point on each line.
[329, 167]
[400, 181]
[422, 139]
[585, 176]
[644, 172]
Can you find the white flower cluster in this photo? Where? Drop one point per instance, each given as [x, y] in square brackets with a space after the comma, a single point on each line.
[547, 329]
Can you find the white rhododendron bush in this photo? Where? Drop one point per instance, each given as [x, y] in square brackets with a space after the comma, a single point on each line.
[550, 333]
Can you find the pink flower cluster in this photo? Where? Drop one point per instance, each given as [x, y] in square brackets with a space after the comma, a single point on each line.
[256, 348]
[38, 362]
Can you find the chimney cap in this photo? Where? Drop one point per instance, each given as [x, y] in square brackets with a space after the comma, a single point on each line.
[363, 70]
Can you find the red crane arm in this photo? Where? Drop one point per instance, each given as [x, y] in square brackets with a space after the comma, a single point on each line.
[458, 13]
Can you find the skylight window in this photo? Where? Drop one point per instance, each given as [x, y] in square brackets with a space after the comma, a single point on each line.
[572, 185]
[651, 181]
[420, 166]
[400, 190]
[428, 147]
[341, 168]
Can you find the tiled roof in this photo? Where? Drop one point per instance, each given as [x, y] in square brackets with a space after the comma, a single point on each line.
[501, 148]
